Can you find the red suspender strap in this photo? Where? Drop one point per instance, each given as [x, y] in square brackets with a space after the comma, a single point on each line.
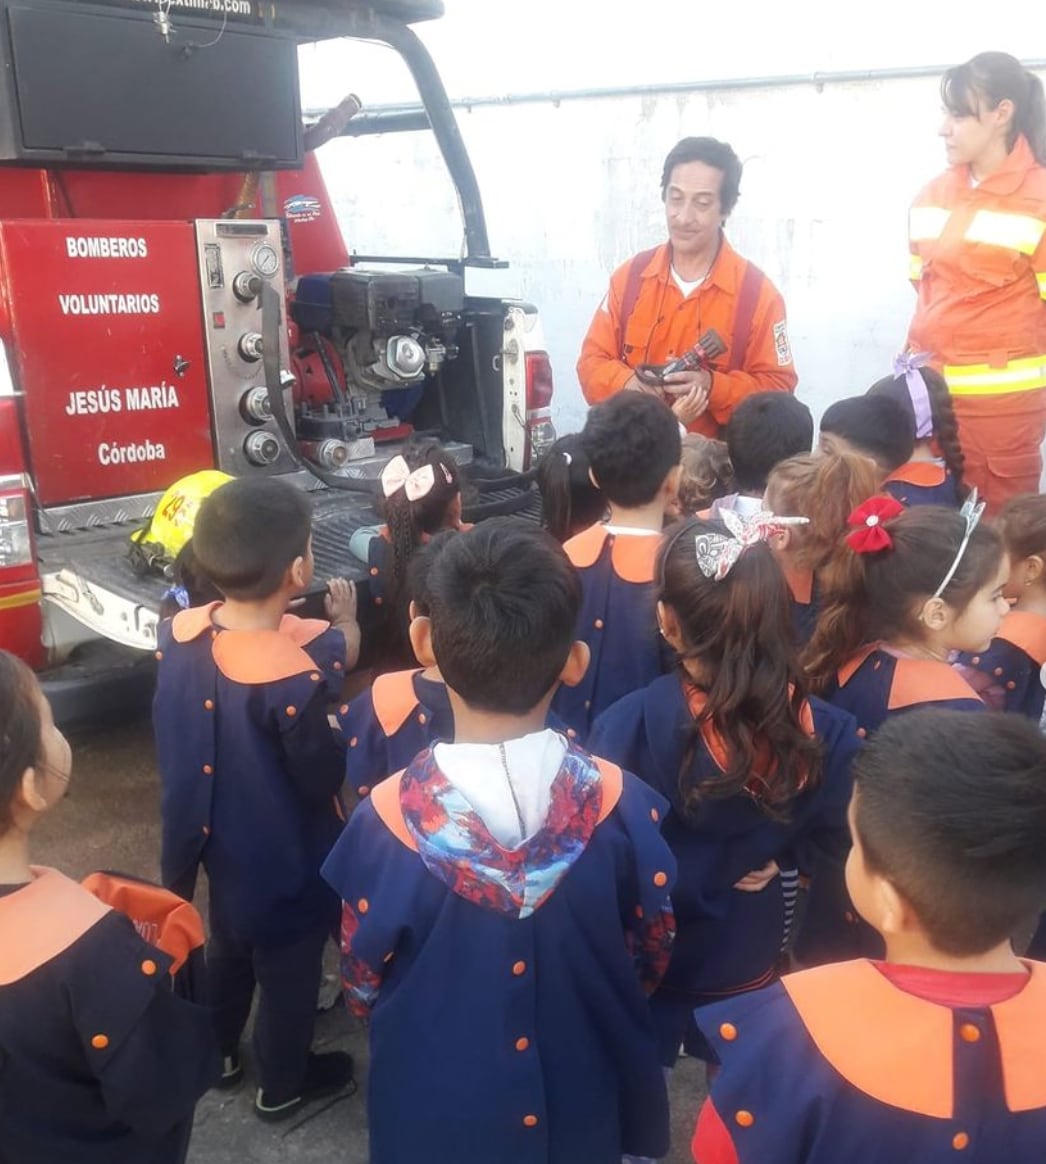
[747, 300]
[633, 285]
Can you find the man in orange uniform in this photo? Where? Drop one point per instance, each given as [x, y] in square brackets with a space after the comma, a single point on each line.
[662, 301]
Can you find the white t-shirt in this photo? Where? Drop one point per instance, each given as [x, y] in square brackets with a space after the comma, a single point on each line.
[687, 286]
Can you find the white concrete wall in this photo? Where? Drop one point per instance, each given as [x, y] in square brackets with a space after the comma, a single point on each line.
[572, 190]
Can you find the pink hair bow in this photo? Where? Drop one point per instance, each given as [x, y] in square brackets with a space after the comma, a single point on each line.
[717, 553]
[907, 364]
[415, 484]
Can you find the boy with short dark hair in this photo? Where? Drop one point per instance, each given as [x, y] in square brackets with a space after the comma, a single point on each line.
[633, 447]
[939, 1048]
[251, 773]
[505, 897]
[764, 430]
[877, 427]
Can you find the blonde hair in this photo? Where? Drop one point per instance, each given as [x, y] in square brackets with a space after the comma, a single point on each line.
[826, 488]
[707, 473]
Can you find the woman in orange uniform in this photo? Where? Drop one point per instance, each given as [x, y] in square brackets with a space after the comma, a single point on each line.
[977, 235]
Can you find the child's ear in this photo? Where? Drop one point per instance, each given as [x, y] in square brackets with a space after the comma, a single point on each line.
[896, 916]
[780, 539]
[296, 574]
[1033, 569]
[935, 614]
[576, 665]
[30, 792]
[421, 638]
[668, 624]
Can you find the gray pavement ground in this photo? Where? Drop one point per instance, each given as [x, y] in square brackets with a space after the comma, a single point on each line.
[111, 821]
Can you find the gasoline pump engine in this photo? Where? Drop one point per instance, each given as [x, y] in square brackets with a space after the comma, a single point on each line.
[368, 344]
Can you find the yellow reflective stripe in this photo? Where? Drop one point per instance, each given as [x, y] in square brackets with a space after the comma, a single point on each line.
[926, 222]
[1041, 278]
[1017, 232]
[983, 380]
[915, 269]
[26, 598]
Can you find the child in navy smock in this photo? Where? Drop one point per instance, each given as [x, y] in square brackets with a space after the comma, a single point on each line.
[506, 904]
[251, 774]
[420, 495]
[402, 712]
[935, 1054]
[100, 1061]
[570, 502]
[757, 775]
[1008, 674]
[933, 475]
[765, 429]
[633, 446]
[922, 584]
[825, 489]
[877, 426]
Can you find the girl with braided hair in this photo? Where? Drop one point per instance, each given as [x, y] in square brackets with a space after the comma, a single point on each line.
[934, 473]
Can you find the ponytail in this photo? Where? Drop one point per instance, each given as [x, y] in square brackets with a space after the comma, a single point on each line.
[569, 500]
[995, 77]
[411, 522]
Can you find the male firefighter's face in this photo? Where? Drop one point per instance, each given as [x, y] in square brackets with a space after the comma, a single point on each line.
[693, 210]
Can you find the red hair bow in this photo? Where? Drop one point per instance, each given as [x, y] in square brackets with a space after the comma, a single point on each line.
[869, 537]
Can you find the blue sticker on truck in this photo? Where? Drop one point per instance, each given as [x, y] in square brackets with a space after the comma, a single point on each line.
[303, 208]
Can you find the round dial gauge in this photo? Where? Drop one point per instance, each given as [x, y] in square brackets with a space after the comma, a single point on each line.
[265, 260]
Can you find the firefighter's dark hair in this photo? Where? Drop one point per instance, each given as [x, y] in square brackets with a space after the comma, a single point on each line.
[632, 443]
[877, 426]
[248, 533]
[995, 77]
[569, 500]
[712, 152]
[504, 599]
[20, 729]
[765, 429]
[950, 807]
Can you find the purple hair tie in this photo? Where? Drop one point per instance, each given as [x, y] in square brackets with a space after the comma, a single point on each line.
[907, 364]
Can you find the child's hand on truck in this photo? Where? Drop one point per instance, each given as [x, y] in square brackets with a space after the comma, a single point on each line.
[340, 605]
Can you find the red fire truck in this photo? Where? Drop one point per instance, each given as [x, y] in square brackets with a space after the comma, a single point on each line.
[177, 296]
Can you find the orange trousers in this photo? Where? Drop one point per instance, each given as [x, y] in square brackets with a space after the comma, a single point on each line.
[1002, 441]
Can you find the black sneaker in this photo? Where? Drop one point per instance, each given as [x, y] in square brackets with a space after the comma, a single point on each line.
[325, 1074]
[232, 1073]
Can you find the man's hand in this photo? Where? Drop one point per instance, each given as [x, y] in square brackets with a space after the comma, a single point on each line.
[683, 383]
[758, 878]
[634, 384]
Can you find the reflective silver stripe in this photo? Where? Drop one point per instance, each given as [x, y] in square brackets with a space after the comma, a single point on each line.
[915, 268]
[1016, 232]
[927, 222]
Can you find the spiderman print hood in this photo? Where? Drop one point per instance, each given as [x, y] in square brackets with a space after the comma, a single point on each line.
[455, 845]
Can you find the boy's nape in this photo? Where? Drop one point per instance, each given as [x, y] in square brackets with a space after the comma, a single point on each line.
[504, 600]
[950, 809]
[248, 535]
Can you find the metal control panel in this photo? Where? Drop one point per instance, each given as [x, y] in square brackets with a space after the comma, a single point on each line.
[236, 257]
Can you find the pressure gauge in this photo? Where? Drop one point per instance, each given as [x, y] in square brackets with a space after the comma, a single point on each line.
[265, 259]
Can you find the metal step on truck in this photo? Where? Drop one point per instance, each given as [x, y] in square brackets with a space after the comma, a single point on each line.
[176, 295]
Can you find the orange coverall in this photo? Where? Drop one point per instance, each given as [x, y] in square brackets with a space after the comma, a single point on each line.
[978, 262]
[664, 325]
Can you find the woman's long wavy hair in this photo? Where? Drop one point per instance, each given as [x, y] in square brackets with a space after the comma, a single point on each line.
[738, 632]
